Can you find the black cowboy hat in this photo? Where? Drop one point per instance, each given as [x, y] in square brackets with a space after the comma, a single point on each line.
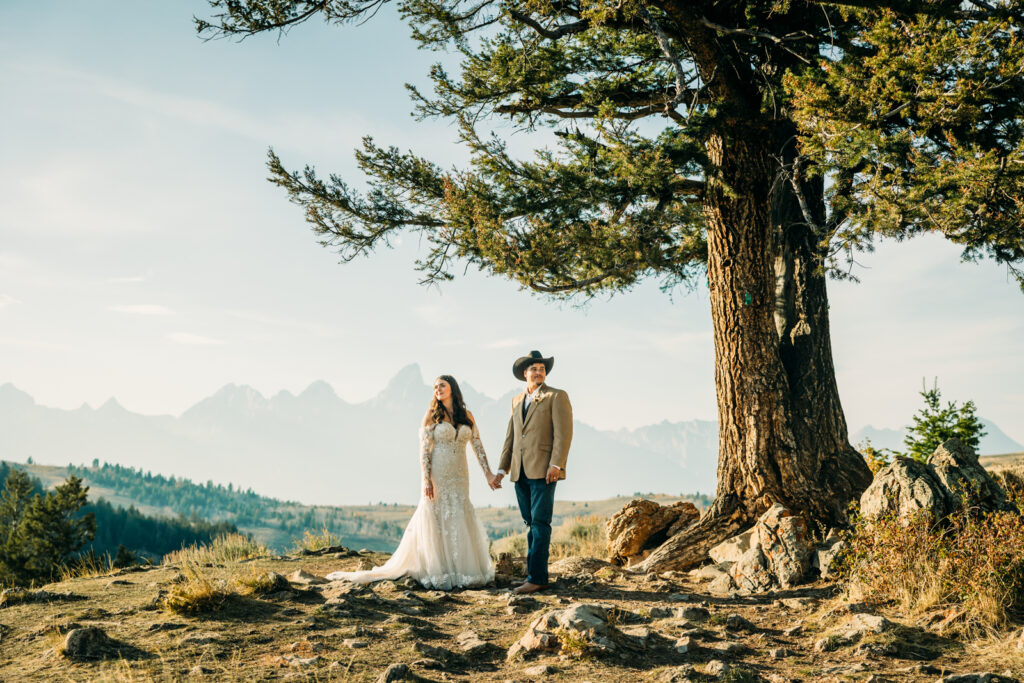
[519, 367]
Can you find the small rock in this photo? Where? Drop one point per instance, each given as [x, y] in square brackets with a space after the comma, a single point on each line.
[470, 643]
[118, 582]
[304, 578]
[395, 672]
[729, 647]
[354, 644]
[685, 645]
[679, 674]
[987, 677]
[691, 613]
[539, 670]
[199, 670]
[778, 653]
[1020, 641]
[736, 622]
[721, 585]
[364, 564]
[89, 643]
[300, 662]
[661, 612]
[863, 624]
[732, 549]
[716, 667]
[202, 638]
[432, 652]
[428, 664]
[799, 603]
[631, 529]
[165, 626]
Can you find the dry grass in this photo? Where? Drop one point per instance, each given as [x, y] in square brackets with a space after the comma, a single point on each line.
[197, 592]
[971, 567]
[223, 548]
[87, 566]
[254, 581]
[576, 536]
[316, 540]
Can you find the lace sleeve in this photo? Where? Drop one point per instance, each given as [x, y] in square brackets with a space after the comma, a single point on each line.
[481, 455]
[426, 451]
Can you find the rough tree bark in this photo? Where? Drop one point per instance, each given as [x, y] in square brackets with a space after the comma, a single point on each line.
[782, 433]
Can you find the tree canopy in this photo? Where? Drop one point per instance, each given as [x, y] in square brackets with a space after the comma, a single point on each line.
[910, 111]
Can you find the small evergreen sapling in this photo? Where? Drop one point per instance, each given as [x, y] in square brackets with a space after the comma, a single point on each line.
[933, 424]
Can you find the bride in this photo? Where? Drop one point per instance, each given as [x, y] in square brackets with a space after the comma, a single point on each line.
[444, 546]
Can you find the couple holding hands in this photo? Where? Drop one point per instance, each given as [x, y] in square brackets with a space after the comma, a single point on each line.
[444, 545]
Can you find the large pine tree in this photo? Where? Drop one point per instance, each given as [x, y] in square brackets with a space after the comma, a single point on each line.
[755, 142]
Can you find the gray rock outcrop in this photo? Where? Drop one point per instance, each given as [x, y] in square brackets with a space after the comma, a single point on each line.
[906, 488]
[776, 552]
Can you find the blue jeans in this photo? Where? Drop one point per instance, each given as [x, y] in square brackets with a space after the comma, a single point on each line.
[536, 503]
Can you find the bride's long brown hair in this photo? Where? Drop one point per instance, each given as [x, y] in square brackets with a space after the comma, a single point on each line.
[438, 413]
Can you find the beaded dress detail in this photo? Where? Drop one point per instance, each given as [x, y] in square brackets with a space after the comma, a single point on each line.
[444, 546]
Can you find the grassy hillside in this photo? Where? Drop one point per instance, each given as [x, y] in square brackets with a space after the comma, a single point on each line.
[277, 524]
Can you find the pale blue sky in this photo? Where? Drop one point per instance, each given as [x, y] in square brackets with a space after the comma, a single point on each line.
[143, 255]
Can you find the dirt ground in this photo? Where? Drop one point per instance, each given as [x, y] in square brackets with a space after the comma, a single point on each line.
[327, 633]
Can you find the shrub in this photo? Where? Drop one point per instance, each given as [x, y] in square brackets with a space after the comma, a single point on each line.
[934, 424]
[197, 592]
[971, 563]
[876, 458]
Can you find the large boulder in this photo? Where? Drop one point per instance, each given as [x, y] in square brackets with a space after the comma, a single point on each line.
[779, 552]
[642, 525]
[906, 488]
[957, 468]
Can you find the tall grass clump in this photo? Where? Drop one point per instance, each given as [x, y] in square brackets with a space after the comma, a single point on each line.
[223, 548]
[197, 591]
[316, 540]
[970, 564]
[577, 536]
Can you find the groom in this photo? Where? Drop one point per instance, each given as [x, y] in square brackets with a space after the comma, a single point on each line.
[536, 448]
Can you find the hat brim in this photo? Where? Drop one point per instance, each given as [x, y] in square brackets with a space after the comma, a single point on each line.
[519, 367]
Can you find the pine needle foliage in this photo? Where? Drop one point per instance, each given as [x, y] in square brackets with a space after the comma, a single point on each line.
[934, 424]
[910, 109]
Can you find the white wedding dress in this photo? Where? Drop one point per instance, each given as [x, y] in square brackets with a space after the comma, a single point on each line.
[444, 546]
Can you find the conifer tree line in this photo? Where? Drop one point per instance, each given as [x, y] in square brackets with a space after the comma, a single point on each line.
[753, 147]
[42, 532]
[243, 508]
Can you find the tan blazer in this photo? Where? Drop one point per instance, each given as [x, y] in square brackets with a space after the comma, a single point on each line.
[542, 439]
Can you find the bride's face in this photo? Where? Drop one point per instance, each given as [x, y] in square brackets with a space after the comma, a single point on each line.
[442, 390]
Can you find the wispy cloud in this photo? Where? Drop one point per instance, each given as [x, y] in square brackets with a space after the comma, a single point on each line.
[143, 309]
[192, 339]
[125, 280]
[6, 300]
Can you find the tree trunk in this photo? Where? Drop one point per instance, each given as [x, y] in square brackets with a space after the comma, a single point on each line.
[782, 435]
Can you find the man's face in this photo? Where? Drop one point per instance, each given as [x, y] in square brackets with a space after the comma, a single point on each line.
[536, 373]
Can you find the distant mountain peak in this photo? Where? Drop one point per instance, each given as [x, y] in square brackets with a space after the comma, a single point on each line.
[319, 390]
[111, 405]
[12, 397]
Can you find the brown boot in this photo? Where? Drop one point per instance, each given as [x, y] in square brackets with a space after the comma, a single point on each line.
[529, 588]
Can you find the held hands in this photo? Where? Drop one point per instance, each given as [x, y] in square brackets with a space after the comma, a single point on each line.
[495, 481]
[428, 490]
[552, 475]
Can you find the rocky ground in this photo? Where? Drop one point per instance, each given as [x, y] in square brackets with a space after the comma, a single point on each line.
[598, 623]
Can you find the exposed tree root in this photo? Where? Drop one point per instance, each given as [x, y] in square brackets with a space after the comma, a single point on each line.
[687, 549]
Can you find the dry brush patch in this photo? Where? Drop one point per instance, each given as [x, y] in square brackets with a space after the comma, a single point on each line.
[969, 567]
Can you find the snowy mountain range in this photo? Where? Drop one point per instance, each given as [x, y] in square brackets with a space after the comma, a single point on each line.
[316, 448]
